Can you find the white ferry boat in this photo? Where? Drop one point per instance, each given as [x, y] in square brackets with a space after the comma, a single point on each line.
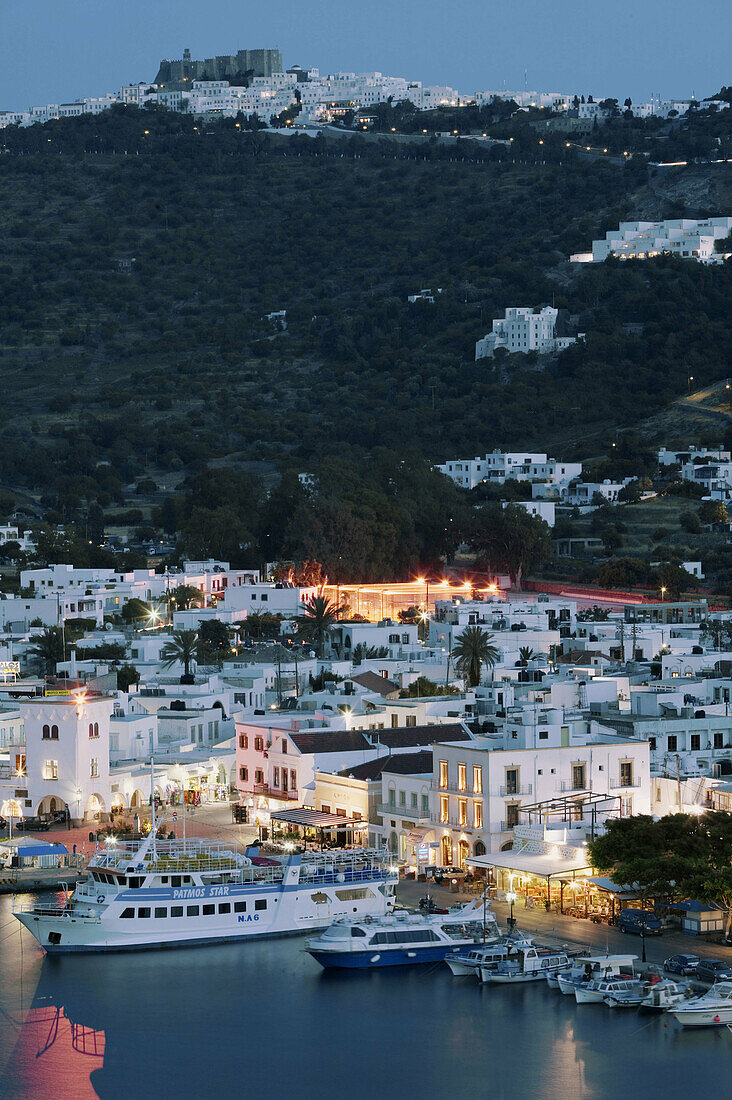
[400, 939]
[153, 893]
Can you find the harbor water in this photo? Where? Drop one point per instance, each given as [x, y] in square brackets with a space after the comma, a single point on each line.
[262, 1019]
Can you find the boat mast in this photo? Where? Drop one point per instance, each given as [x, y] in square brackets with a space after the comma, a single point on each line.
[152, 806]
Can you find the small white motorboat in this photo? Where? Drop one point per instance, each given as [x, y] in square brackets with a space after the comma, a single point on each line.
[526, 963]
[487, 955]
[712, 1009]
[631, 996]
[597, 990]
[595, 966]
[665, 994]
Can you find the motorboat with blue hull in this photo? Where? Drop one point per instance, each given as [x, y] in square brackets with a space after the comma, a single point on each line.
[402, 938]
[153, 894]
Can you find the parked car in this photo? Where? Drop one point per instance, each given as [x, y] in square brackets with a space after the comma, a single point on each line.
[681, 964]
[32, 824]
[639, 922]
[713, 970]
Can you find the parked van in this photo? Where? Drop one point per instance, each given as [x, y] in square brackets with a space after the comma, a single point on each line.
[639, 922]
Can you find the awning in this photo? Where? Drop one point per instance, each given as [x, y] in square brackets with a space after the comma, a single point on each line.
[316, 819]
[26, 851]
[544, 866]
[416, 836]
[610, 887]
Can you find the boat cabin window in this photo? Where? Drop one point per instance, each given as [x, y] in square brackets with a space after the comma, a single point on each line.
[135, 881]
[408, 935]
[209, 910]
[357, 932]
[143, 911]
[191, 910]
[128, 913]
[213, 880]
[260, 903]
[225, 907]
[240, 907]
[175, 880]
[354, 895]
[176, 910]
[161, 911]
[319, 899]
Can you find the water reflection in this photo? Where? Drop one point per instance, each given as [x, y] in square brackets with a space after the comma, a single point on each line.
[263, 1019]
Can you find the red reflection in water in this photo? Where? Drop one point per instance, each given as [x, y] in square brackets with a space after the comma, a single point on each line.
[53, 1057]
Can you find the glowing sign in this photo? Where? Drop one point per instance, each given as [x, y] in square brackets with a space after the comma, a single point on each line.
[9, 670]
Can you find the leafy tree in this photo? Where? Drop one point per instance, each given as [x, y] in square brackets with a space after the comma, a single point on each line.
[622, 573]
[127, 675]
[186, 596]
[135, 610]
[474, 648]
[510, 540]
[678, 857]
[181, 648]
[320, 615]
[261, 624]
[689, 522]
[213, 642]
[713, 511]
[423, 688]
[674, 579]
[47, 648]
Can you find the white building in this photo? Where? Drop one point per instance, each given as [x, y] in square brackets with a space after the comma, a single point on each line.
[64, 761]
[675, 457]
[524, 329]
[500, 466]
[685, 237]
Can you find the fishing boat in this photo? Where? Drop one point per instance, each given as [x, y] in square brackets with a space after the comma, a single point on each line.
[175, 893]
[400, 938]
[712, 1009]
[665, 994]
[630, 996]
[586, 969]
[526, 963]
[598, 989]
[487, 955]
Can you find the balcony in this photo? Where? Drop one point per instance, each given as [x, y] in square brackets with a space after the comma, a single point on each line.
[507, 828]
[265, 790]
[515, 789]
[453, 788]
[616, 784]
[453, 822]
[385, 809]
[568, 786]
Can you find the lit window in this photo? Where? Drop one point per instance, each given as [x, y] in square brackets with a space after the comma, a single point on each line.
[50, 769]
[462, 777]
[443, 773]
[477, 815]
[462, 811]
[444, 808]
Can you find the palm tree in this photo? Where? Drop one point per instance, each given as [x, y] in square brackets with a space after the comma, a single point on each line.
[181, 647]
[48, 647]
[473, 649]
[526, 654]
[320, 615]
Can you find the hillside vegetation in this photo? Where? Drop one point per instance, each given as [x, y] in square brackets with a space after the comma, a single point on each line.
[167, 365]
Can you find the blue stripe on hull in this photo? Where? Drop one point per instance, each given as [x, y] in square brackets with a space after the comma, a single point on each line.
[357, 960]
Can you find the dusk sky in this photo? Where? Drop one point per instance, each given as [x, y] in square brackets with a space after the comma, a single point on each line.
[57, 50]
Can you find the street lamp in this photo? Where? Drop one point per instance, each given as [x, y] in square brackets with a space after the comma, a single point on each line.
[511, 898]
[663, 592]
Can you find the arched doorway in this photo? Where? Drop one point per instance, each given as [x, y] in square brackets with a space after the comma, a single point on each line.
[446, 851]
[393, 843]
[507, 846]
[138, 798]
[10, 808]
[463, 851]
[479, 848]
[118, 803]
[94, 808]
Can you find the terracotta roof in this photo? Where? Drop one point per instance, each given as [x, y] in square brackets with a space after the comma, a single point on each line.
[373, 682]
[403, 737]
[331, 741]
[405, 763]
